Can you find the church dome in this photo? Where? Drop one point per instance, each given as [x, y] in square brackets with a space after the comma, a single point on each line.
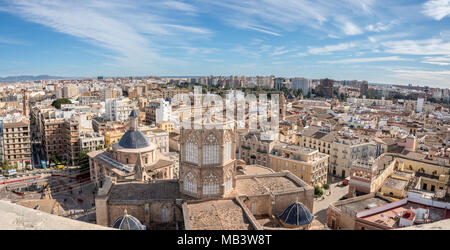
[134, 139]
[296, 215]
[128, 222]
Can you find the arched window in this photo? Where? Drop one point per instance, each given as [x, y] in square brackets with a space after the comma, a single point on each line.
[165, 214]
[190, 183]
[211, 150]
[191, 150]
[228, 182]
[210, 185]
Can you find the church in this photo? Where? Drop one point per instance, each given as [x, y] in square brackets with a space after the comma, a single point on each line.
[214, 191]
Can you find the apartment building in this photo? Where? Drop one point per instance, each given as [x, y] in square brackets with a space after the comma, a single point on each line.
[2, 159]
[254, 148]
[17, 141]
[118, 109]
[167, 126]
[157, 136]
[347, 149]
[52, 133]
[71, 132]
[302, 83]
[308, 164]
[343, 147]
[91, 141]
[113, 136]
[158, 111]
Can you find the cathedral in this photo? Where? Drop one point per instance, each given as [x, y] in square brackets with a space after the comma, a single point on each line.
[214, 191]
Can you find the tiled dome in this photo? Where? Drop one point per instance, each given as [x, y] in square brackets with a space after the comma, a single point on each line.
[134, 139]
[296, 214]
[128, 222]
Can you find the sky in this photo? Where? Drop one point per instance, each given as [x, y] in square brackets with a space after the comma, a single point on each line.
[382, 41]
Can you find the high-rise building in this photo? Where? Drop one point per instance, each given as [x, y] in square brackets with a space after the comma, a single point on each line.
[326, 88]
[364, 88]
[419, 107]
[303, 84]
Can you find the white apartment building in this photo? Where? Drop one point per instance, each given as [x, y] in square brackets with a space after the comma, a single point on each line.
[91, 141]
[118, 109]
[302, 83]
[164, 111]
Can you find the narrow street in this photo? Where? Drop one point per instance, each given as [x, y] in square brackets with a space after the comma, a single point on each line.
[321, 204]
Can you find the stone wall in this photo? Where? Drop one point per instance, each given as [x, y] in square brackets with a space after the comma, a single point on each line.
[16, 217]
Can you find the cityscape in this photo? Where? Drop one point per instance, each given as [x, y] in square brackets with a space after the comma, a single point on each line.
[139, 147]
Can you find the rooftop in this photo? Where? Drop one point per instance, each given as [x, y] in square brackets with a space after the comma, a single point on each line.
[394, 183]
[218, 215]
[387, 217]
[358, 205]
[142, 191]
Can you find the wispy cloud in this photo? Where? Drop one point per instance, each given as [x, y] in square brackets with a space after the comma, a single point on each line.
[435, 46]
[331, 48]
[442, 61]
[279, 16]
[437, 9]
[380, 27]
[431, 77]
[133, 36]
[367, 60]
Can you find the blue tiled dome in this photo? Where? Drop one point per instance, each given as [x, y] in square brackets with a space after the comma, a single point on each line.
[134, 113]
[296, 214]
[134, 139]
[128, 222]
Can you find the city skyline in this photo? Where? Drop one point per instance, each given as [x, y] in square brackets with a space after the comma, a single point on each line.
[406, 44]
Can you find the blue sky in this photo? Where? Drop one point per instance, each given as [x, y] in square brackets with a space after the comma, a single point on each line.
[381, 41]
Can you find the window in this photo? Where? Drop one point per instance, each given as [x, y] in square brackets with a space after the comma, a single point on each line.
[211, 150]
[190, 183]
[191, 148]
[191, 153]
[210, 185]
[165, 214]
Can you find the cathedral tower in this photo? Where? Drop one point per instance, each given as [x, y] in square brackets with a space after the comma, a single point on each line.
[207, 161]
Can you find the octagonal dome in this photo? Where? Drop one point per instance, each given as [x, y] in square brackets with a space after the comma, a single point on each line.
[128, 222]
[296, 215]
[134, 139]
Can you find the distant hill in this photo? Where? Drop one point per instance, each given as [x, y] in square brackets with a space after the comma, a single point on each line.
[10, 79]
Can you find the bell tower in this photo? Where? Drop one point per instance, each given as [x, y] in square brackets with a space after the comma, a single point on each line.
[207, 161]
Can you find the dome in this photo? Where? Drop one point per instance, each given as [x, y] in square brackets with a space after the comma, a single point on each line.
[296, 215]
[128, 222]
[134, 113]
[134, 139]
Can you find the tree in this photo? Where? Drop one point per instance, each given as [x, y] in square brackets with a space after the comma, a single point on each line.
[6, 165]
[318, 191]
[58, 102]
[83, 160]
[55, 159]
[326, 186]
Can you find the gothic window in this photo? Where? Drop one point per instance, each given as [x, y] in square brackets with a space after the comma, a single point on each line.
[210, 185]
[191, 149]
[211, 150]
[190, 183]
[165, 214]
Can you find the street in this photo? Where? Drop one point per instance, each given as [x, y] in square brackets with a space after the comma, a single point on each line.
[321, 204]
